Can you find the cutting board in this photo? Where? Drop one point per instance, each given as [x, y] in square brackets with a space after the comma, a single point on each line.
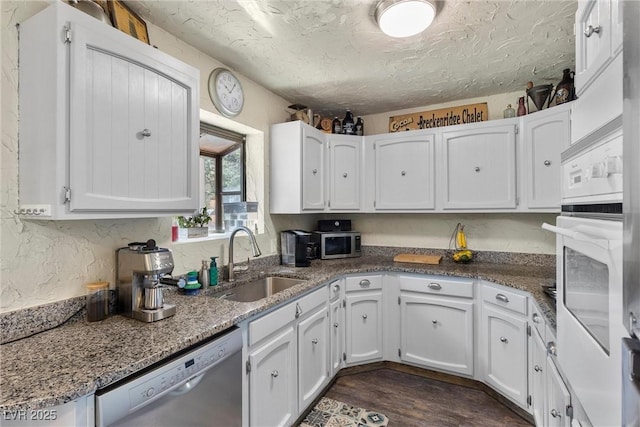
[420, 259]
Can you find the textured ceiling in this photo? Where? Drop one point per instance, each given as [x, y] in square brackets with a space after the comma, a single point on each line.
[330, 54]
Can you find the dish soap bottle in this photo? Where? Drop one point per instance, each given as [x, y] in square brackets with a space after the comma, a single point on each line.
[204, 274]
[213, 272]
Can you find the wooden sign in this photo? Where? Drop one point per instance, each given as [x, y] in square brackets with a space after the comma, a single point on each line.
[463, 114]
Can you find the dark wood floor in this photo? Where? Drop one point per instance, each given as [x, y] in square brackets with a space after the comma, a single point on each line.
[412, 400]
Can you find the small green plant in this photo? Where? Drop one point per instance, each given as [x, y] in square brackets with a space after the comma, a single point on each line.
[199, 219]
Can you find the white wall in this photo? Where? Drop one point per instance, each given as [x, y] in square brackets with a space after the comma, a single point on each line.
[48, 261]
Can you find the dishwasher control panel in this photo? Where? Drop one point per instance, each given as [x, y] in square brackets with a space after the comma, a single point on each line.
[182, 372]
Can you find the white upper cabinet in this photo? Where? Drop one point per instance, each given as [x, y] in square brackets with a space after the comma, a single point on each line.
[546, 135]
[345, 162]
[313, 192]
[108, 125]
[593, 41]
[479, 167]
[404, 171]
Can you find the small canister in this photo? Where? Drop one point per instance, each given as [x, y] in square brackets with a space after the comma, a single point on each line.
[97, 301]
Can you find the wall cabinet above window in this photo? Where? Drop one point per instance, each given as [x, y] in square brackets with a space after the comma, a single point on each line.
[108, 125]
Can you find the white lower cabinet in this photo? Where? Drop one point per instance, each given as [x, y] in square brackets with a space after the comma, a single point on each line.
[538, 377]
[558, 404]
[273, 381]
[337, 329]
[504, 347]
[363, 319]
[288, 359]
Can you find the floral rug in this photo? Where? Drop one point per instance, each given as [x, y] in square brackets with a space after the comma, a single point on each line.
[332, 413]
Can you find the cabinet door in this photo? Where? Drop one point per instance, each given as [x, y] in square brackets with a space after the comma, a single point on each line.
[337, 327]
[479, 168]
[273, 381]
[436, 332]
[558, 398]
[538, 375]
[593, 49]
[545, 138]
[364, 326]
[345, 157]
[404, 171]
[505, 353]
[313, 356]
[313, 142]
[133, 141]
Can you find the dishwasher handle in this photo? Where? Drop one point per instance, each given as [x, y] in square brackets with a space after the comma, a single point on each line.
[188, 386]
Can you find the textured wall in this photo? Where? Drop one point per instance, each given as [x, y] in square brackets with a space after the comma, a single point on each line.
[51, 260]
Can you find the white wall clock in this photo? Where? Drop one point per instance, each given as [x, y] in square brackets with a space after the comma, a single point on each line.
[226, 92]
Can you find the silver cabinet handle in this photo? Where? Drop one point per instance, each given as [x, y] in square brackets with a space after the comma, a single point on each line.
[435, 322]
[344, 175]
[555, 414]
[591, 29]
[315, 171]
[364, 316]
[434, 286]
[536, 318]
[336, 288]
[314, 341]
[298, 310]
[537, 368]
[365, 283]
[501, 297]
[145, 132]
[335, 325]
[477, 169]
[504, 340]
[403, 173]
[547, 162]
[274, 373]
[551, 348]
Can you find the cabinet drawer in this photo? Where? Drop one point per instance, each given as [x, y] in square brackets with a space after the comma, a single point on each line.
[437, 286]
[362, 283]
[269, 323]
[505, 298]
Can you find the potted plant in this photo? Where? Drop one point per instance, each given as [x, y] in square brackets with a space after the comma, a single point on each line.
[196, 225]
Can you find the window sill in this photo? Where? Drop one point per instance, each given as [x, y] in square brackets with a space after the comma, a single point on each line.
[211, 236]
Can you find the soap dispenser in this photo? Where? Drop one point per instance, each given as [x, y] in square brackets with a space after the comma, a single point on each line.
[213, 272]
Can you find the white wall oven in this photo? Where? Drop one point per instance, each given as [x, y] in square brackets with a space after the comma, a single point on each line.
[589, 274]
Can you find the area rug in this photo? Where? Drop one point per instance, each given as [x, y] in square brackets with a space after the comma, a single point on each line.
[333, 413]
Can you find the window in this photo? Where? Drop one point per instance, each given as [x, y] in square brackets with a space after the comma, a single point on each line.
[222, 171]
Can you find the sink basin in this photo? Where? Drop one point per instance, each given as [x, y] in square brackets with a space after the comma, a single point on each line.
[258, 289]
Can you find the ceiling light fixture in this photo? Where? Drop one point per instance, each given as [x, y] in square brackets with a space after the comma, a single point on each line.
[404, 18]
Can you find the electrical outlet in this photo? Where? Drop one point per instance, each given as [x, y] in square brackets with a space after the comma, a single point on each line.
[38, 211]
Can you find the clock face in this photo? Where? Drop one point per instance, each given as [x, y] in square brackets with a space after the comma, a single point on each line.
[226, 92]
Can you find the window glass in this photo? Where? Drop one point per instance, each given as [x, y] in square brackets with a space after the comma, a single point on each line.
[232, 171]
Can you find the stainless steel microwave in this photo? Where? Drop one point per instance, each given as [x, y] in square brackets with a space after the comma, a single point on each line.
[337, 244]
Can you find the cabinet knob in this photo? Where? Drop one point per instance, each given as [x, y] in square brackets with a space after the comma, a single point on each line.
[336, 288]
[504, 340]
[298, 310]
[547, 162]
[335, 325]
[588, 32]
[314, 341]
[344, 175]
[551, 348]
[365, 283]
[145, 132]
[536, 318]
[315, 171]
[477, 169]
[555, 414]
[501, 297]
[435, 322]
[434, 286]
[537, 368]
[274, 373]
[403, 173]
[364, 316]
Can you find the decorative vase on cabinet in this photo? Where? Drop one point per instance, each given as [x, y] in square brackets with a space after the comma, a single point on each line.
[92, 99]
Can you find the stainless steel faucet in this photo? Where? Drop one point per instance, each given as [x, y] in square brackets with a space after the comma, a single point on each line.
[254, 247]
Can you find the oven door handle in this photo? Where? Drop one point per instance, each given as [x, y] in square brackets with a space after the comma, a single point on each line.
[576, 235]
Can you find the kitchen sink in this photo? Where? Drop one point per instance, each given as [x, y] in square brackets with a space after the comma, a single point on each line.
[259, 289]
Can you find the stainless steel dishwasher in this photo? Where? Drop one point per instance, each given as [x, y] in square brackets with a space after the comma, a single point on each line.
[202, 387]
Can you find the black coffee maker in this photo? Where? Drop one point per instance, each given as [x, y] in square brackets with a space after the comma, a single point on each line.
[296, 248]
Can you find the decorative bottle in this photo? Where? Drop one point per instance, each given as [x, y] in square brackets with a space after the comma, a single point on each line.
[336, 125]
[522, 110]
[509, 112]
[204, 274]
[359, 126]
[565, 90]
[348, 126]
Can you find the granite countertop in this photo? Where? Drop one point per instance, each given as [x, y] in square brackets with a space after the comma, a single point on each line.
[77, 358]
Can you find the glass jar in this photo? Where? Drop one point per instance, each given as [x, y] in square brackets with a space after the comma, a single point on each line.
[97, 301]
[509, 112]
